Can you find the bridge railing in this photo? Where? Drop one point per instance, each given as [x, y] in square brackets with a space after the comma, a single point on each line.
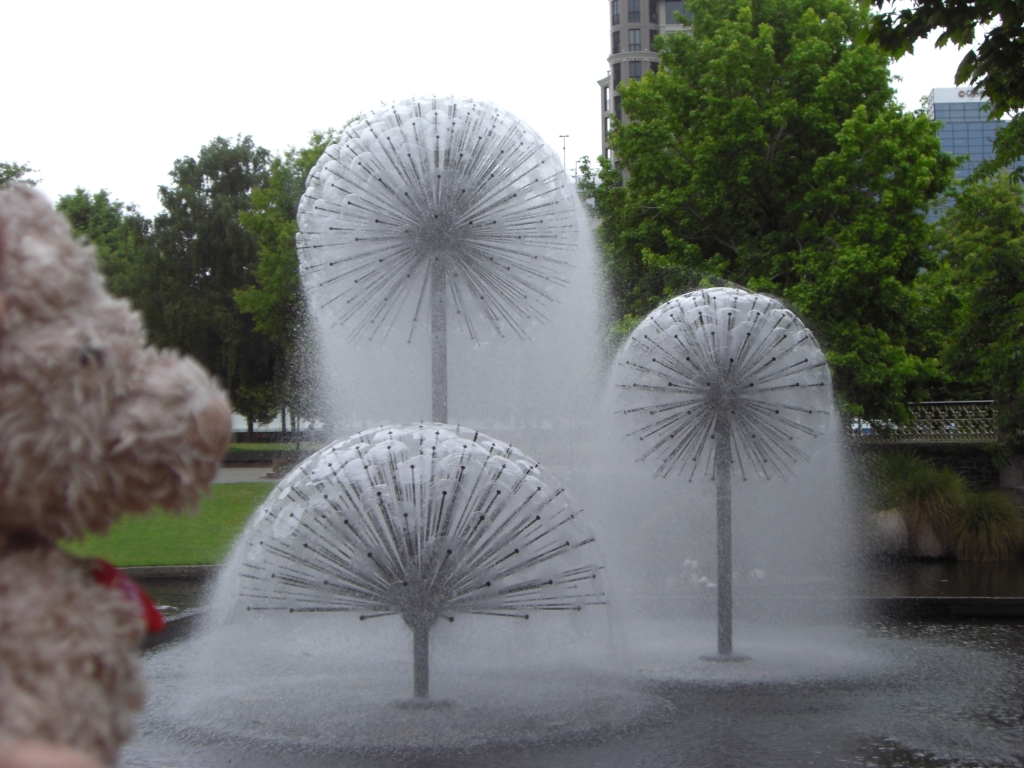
[959, 421]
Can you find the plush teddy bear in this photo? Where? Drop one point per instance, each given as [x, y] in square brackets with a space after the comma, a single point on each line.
[93, 424]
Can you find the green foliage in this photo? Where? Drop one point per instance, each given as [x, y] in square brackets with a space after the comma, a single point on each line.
[120, 234]
[987, 528]
[260, 447]
[275, 299]
[186, 286]
[977, 295]
[216, 274]
[976, 527]
[10, 172]
[258, 402]
[159, 538]
[1007, 151]
[927, 497]
[994, 66]
[768, 150]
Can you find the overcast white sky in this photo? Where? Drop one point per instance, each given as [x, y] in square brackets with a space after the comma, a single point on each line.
[108, 94]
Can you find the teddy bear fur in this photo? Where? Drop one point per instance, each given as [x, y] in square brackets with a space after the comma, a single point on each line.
[94, 423]
[38, 754]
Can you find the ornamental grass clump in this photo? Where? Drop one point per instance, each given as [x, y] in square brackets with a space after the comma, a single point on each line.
[927, 497]
[937, 508]
[987, 528]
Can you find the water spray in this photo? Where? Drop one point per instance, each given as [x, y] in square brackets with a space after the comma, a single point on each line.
[723, 382]
[435, 211]
[422, 521]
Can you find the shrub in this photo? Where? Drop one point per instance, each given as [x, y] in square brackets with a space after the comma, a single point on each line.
[926, 496]
[987, 528]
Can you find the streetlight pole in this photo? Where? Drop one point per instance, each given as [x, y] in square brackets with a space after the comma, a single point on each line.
[563, 137]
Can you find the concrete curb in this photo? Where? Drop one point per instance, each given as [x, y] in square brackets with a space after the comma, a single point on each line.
[940, 608]
[177, 628]
[143, 573]
[847, 608]
[936, 609]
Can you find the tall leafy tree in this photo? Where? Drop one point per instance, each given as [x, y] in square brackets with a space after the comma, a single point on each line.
[122, 236]
[274, 300]
[995, 65]
[203, 256]
[769, 150]
[978, 294]
[16, 172]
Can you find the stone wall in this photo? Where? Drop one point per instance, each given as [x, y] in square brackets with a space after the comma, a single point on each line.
[1012, 477]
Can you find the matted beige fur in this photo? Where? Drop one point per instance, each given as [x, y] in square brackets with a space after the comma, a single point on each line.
[93, 423]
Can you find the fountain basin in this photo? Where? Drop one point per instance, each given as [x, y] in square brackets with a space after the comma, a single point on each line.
[897, 693]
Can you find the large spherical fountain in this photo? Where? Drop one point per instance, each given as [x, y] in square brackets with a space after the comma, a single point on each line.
[723, 382]
[431, 211]
[422, 521]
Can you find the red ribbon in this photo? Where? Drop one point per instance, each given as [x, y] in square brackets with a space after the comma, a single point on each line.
[109, 576]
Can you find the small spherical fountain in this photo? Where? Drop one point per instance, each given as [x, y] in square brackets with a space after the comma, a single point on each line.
[436, 209]
[720, 382]
[422, 521]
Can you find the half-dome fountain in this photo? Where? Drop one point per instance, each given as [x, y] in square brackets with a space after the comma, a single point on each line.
[422, 521]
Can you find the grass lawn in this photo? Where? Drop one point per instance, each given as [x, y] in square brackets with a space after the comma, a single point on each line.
[158, 538]
[244, 447]
[268, 447]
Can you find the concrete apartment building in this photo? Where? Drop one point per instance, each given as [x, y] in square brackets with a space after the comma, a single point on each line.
[634, 25]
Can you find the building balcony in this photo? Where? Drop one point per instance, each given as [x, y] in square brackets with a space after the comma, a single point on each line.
[616, 58]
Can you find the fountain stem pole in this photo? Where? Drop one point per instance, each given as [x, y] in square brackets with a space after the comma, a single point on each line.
[723, 478]
[420, 661]
[438, 342]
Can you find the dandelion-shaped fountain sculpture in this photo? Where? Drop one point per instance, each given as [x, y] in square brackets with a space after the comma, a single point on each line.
[432, 208]
[728, 382]
[423, 522]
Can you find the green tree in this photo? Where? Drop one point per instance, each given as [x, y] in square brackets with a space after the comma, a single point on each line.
[769, 151]
[122, 236]
[187, 285]
[275, 300]
[995, 66]
[978, 291]
[16, 172]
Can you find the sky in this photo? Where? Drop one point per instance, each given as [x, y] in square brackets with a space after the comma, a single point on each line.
[108, 94]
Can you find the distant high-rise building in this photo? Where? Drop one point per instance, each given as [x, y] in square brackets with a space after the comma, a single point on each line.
[966, 129]
[634, 25]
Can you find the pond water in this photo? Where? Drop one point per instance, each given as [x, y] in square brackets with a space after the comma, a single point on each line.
[883, 578]
[861, 693]
[896, 694]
